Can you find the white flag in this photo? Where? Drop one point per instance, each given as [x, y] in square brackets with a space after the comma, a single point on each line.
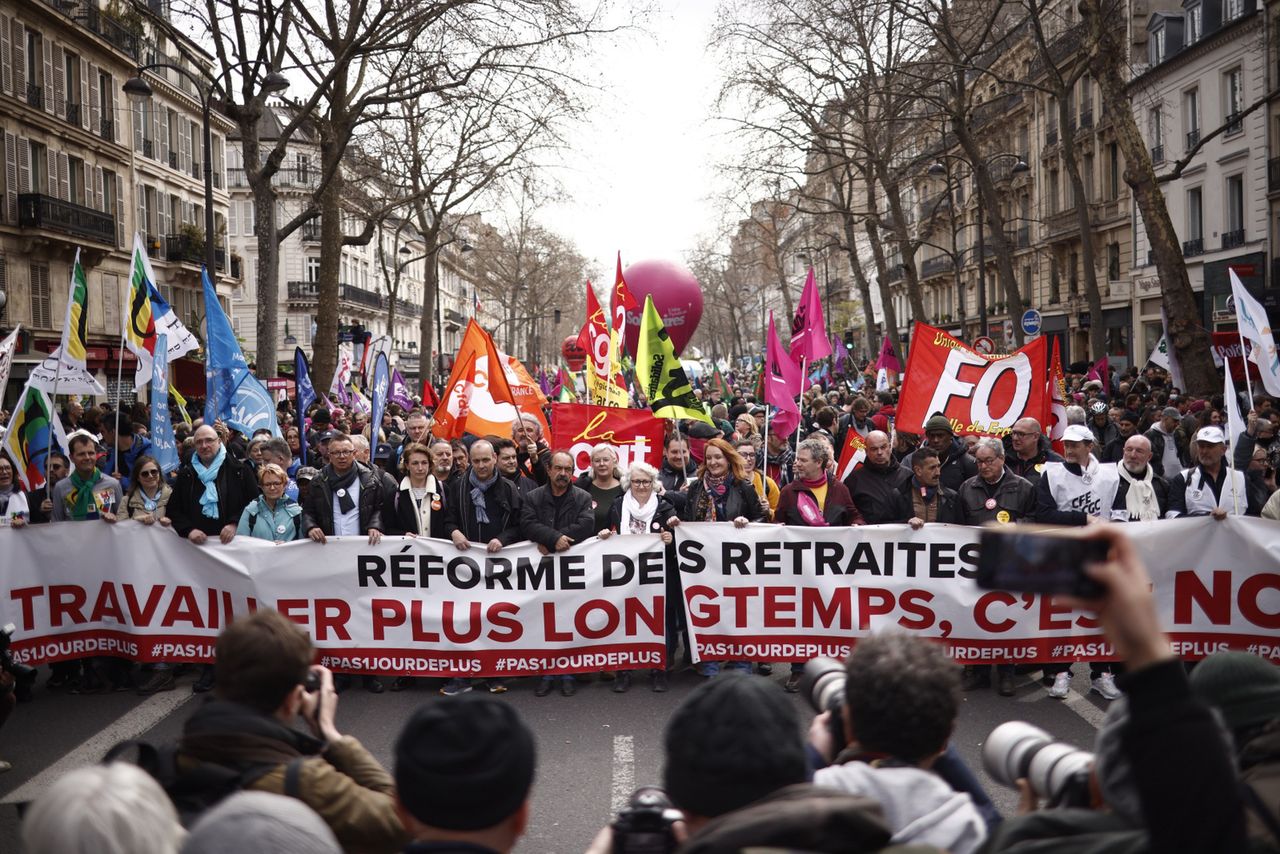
[342, 373]
[69, 380]
[1251, 318]
[7, 346]
[1235, 424]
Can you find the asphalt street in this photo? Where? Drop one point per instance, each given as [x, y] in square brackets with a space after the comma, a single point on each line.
[594, 748]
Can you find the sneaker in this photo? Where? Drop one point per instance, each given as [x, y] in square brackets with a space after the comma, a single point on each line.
[454, 687]
[544, 687]
[1061, 685]
[658, 681]
[1105, 685]
[373, 685]
[622, 683]
[792, 684]
[497, 686]
[160, 680]
[400, 683]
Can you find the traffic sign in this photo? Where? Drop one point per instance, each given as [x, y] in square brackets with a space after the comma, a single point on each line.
[984, 345]
[1031, 322]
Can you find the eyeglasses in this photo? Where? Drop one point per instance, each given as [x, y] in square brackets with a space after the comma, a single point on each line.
[1021, 433]
[635, 482]
[267, 483]
[149, 473]
[342, 455]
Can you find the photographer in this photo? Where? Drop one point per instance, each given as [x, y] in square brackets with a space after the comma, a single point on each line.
[1181, 768]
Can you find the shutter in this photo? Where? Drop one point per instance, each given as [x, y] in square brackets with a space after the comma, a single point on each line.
[119, 211]
[115, 116]
[11, 178]
[112, 302]
[92, 112]
[24, 166]
[141, 215]
[86, 95]
[98, 195]
[64, 177]
[46, 48]
[156, 128]
[19, 59]
[184, 144]
[164, 135]
[89, 183]
[59, 78]
[136, 109]
[6, 57]
[233, 219]
[51, 176]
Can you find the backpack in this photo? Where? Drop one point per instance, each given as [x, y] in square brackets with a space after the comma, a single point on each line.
[196, 790]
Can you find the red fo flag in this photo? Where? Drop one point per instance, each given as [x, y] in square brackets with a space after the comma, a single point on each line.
[781, 384]
[852, 455]
[809, 328]
[1056, 421]
[981, 395]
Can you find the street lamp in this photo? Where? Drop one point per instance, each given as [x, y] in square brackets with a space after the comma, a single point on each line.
[1019, 168]
[139, 90]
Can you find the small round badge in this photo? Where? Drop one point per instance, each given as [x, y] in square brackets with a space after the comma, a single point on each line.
[1040, 467]
[1002, 516]
[435, 505]
[991, 504]
[342, 493]
[279, 529]
[594, 505]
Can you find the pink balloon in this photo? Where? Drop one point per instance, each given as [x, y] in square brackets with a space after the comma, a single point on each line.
[676, 294]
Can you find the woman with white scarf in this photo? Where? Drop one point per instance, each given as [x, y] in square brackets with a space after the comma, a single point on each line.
[640, 510]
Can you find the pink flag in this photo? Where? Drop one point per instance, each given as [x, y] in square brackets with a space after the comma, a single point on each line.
[809, 328]
[887, 361]
[1099, 372]
[781, 384]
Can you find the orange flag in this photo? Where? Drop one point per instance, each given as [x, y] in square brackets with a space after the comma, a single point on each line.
[477, 399]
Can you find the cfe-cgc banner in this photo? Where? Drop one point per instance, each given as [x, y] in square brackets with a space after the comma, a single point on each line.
[416, 607]
[774, 593]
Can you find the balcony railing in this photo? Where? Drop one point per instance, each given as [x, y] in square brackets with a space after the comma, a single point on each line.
[307, 179]
[408, 309]
[1024, 237]
[1086, 118]
[935, 205]
[1193, 138]
[1063, 222]
[310, 292]
[35, 96]
[185, 249]
[73, 114]
[936, 266]
[1157, 154]
[1192, 248]
[36, 210]
[1232, 239]
[155, 247]
[107, 129]
[1273, 174]
[894, 273]
[1234, 124]
[311, 232]
[1051, 136]
[110, 29]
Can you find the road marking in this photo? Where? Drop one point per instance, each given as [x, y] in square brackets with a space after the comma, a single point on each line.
[624, 772]
[132, 724]
[1075, 701]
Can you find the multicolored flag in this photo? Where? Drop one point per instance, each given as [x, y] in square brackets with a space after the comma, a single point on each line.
[147, 316]
[305, 395]
[809, 327]
[163, 445]
[75, 331]
[719, 385]
[343, 371]
[565, 391]
[782, 381]
[659, 373]
[27, 441]
[181, 402]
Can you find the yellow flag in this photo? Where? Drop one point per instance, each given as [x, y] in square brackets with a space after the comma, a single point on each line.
[660, 374]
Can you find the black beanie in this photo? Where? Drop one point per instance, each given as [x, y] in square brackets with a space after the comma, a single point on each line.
[731, 742]
[464, 763]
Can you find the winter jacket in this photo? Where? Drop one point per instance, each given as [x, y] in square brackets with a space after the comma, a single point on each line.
[340, 780]
[264, 523]
[109, 465]
[401, 515]
[236, 488]
[1260, 770]
[903, 504]
[544, 518]
[741, 499]
[136, 507]
[837, 509]
[317, 511]
[957, 467]
[1030, 470]
[982, 502]
[1114, 451]
[503, 505]
[874, 489]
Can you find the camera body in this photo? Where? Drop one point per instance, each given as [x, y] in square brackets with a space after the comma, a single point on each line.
[644, 825]
[823, 685]
[1057, 772]
[24, 676]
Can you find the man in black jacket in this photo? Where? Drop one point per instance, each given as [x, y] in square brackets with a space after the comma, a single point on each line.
[39, 503]
[878, 481]
[957, 465]
[482, 507]
[1029, 450]
[922, 498]
[209, 494]
[556, 516]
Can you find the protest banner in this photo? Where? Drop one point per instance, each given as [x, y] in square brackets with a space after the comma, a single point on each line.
[980, 394]
[1227, 350]
[416, 607]
[774, 593]
[636, 434]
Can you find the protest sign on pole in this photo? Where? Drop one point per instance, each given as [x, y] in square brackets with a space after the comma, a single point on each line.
[636, 434]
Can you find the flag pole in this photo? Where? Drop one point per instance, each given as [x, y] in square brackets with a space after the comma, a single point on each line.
[804, 378]
[1248, 383]
[53, 411]
[124, 319]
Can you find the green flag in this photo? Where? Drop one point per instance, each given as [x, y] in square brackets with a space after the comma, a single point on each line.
[719, 385]
[660, 374]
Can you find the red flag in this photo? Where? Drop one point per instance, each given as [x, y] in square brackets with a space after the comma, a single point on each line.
[981, 395]
[477, 399]
[852, 455]
[781, 384]
[429, 397]
[887, 361]
[809, 328]
[1056, 420]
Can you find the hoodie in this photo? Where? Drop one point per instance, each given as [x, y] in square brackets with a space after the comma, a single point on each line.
[919, 807]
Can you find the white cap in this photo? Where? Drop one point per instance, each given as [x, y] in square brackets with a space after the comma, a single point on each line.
[1211, 436]
[1077, 433]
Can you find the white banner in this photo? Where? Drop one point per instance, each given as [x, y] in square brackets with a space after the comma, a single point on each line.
[419, 607]
[775, 593]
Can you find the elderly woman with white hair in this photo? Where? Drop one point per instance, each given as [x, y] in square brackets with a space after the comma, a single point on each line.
[640, 510]
[603, 481]
[104, 809]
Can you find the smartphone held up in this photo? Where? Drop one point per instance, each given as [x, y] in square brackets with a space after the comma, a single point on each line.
[1043, 560]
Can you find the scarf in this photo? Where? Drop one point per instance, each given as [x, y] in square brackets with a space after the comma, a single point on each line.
[637, 517]
[711, 504]
[80, 499]
[4, 498]
[478, 489]
[808, 505]
[340, 487]
[209, 476]
[150, 504]
[1140, 500]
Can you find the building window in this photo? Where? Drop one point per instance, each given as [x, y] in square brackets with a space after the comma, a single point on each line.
[1155, 46]
[1155, 129]
[313, 270]
[1235, 212]
[1191, 116]
[1233, 100]
[1113, 262]
[1053, 191]
[1087, 177]
[75, 174]
[40, 310]
[1113, 184]
[1232, 9]
[1194, 25]
[1073, 275]
[1195, 214]
[250, 224]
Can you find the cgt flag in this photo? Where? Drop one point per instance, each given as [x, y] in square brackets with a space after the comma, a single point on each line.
[477, 399]
[634, 433]
[27, 441]
[1056, 422]
[659, 373]
[981, 395]
[852, 455]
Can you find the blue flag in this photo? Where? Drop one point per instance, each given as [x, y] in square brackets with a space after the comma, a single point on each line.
[305, 396]
[378, 392]
[163, 446]
[232, 393]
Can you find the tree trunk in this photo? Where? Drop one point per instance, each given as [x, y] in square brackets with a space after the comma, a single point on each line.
[864, 287]
[1092, 295]
[906, 248]
[1106, 58]
[882, 278]
[430, 293]
[324, 346]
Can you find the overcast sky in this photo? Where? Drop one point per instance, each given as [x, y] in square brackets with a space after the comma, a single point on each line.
[641, 174]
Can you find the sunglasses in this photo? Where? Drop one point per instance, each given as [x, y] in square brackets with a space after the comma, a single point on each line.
[149, 473]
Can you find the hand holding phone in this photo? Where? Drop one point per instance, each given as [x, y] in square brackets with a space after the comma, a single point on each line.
[1040, 560]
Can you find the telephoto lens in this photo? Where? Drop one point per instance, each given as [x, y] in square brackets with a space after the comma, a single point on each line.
[1057, 772]
[823, 684]
[644, 826]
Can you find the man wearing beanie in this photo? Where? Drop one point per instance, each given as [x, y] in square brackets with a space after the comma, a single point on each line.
[957, 465]
[464, 769]
[1127, 424]
[1246, 690]
[736, 766]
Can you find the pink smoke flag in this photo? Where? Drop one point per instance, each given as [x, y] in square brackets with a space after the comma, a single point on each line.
[839, 353]
[782, 381]
[1100, 373]
[809, 327]
[887, 361]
